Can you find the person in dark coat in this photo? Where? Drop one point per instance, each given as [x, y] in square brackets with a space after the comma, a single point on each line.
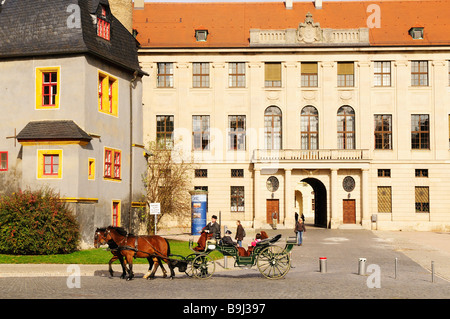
[226, 240]
[240, 233]
[213, 227]
[211, 230]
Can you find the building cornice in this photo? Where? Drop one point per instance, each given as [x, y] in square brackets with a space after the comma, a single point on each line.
[290, 49]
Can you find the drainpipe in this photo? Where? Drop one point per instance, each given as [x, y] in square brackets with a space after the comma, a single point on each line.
[131, 148]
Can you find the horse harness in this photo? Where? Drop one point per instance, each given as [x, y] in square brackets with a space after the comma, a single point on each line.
[135, 248]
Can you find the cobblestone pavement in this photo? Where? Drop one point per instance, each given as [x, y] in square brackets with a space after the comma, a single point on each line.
[342, 248]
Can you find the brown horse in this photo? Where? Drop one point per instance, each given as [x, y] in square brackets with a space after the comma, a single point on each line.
[155, 248]
[99, 240]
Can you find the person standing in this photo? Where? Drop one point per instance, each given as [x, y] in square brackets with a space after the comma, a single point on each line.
[240, 233]
[274, 220]
[299, 229]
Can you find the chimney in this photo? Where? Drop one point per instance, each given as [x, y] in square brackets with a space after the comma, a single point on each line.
[288, 4]
[318, 4]
[138, 4]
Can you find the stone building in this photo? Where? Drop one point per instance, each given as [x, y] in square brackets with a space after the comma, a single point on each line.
[338, 110]
[71, 108]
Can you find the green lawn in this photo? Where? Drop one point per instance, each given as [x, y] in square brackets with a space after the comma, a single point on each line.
[92, 256]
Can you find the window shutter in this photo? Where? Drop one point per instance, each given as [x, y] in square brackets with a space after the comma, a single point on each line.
[345, 68]
[273, 71]
[309, 68]
[422, 194]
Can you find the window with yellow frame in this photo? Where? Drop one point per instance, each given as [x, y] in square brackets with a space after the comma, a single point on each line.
[91, 169]
[49, 164]
[48, 87]
[112, 164]
[108, 90]
[116, 213]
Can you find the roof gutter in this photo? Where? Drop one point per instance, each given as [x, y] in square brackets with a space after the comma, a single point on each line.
[284, 49]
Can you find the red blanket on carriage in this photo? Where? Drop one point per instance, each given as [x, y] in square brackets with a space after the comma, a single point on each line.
[201, 243]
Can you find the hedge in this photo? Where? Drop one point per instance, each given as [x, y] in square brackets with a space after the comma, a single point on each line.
[37, 223]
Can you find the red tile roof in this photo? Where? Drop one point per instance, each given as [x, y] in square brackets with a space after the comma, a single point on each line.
[170, 25]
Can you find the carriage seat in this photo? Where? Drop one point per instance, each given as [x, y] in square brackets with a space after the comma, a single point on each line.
[270, 240]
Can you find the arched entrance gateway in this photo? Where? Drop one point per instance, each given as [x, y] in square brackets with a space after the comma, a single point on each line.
[312, 203]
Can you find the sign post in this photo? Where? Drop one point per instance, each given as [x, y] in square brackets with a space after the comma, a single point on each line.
[155, 209]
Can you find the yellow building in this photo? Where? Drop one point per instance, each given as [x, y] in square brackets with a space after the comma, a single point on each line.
[337, 110]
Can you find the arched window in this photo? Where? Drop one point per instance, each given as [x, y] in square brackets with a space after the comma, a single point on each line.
[346, 127]
[272, 128]
[309, 126]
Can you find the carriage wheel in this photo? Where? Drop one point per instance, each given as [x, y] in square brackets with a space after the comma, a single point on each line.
[189, 269]
[203, 266]
[273, 262]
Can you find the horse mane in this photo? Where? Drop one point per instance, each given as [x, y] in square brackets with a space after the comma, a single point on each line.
[120, 230]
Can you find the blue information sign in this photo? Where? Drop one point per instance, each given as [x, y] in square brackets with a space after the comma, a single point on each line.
[198, 209]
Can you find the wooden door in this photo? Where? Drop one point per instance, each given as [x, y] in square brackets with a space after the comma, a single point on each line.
[349, 211]
[272, 205]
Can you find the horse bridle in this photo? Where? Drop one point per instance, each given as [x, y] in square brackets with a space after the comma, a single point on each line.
[103, 239]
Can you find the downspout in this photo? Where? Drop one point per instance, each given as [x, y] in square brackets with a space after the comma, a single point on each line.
[131, 149]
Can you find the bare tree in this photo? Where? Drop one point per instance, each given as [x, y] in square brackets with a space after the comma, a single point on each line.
[168, 181]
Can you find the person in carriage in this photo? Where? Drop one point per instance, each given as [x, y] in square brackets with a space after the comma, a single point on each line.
[211, 230]
[259, 236]
[226, 240]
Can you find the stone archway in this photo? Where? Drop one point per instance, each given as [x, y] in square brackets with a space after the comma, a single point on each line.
[320, 201]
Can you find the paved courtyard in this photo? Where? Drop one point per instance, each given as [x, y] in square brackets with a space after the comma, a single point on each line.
[342, 248]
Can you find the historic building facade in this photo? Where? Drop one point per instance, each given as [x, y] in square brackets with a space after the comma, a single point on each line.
[71, 108]
[337, 110]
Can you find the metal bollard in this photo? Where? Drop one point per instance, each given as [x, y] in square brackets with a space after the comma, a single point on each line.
[432, 271]
[225, 260]
[323, 264]
[396, 266]
[362, 266]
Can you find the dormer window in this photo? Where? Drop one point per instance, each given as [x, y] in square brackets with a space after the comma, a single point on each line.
[103, 26]
[416, 33]
[103, 29]
[201, 35]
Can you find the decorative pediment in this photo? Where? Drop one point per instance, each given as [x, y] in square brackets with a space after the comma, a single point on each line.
[309, 33]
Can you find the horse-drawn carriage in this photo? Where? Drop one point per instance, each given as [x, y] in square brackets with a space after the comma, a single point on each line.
[272, 261]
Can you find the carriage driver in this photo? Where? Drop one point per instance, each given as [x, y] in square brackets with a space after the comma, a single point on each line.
[209, 231]
[213, 227]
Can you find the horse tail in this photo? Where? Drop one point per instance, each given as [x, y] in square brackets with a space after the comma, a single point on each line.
[168, 247]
